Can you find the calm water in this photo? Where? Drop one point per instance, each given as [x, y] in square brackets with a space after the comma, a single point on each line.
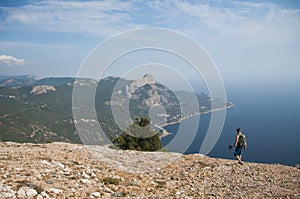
[268, 115]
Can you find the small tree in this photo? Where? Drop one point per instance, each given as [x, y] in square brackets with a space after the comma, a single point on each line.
[139, 136]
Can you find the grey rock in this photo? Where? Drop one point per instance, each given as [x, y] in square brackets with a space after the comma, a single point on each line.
[26, 192]
[49, 181]
[6, 192]
[117, 194]
[54, 190]
[95, 195]
[134, 183]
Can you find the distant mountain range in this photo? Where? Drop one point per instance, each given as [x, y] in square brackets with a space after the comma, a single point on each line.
[40, 110]
[28, 80]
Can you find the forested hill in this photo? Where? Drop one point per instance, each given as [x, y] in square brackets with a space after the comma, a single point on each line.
[40, 110]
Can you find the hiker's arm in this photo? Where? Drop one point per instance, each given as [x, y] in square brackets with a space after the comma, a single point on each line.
[236, 141]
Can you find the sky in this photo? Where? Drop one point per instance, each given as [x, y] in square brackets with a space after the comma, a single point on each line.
[254, 41]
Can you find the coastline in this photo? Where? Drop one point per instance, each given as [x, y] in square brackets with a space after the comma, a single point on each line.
[166, 133]
[195, 114]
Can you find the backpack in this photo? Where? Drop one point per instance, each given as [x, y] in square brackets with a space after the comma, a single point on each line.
[242, 140]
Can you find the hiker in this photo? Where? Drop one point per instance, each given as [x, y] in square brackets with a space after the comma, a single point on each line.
[239, 145]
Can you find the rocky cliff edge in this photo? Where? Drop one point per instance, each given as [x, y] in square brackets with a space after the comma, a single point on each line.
[61, 170]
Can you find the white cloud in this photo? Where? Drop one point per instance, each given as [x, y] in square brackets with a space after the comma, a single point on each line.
[247, 20]
[256, 22]
[8, 60]
[15, 44]
[92, 17]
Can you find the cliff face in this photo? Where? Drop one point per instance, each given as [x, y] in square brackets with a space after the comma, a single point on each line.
[61, 170]
[146, 79]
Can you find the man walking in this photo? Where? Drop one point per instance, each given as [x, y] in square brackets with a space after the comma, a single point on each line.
[240, 144]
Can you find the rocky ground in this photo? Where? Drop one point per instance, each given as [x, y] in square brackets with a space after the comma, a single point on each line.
[60, 170]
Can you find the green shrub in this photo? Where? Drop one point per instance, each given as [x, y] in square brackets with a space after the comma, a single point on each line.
[139, 136]
[110, 180]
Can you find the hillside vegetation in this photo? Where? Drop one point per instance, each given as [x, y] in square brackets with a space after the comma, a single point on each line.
[40, 111]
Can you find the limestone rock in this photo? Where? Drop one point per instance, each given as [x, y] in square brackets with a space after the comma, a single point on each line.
[146, 79]
[7, 192]
[80, 174]
[42, 89]
[26, 193]
[54, 191]
[95, 195]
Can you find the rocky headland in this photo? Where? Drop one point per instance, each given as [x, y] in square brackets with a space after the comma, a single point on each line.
[62, 170]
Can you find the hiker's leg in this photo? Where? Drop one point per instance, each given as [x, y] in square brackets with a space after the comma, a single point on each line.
[238, 157]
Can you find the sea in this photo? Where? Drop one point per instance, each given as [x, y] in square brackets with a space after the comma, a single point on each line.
[268, 114]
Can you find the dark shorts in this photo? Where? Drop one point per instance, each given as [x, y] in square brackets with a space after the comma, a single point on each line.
[238, 151]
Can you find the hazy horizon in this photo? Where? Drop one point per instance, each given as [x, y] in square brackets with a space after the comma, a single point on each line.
[248, 41]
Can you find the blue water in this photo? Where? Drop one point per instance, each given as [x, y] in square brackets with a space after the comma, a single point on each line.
[269, 115]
